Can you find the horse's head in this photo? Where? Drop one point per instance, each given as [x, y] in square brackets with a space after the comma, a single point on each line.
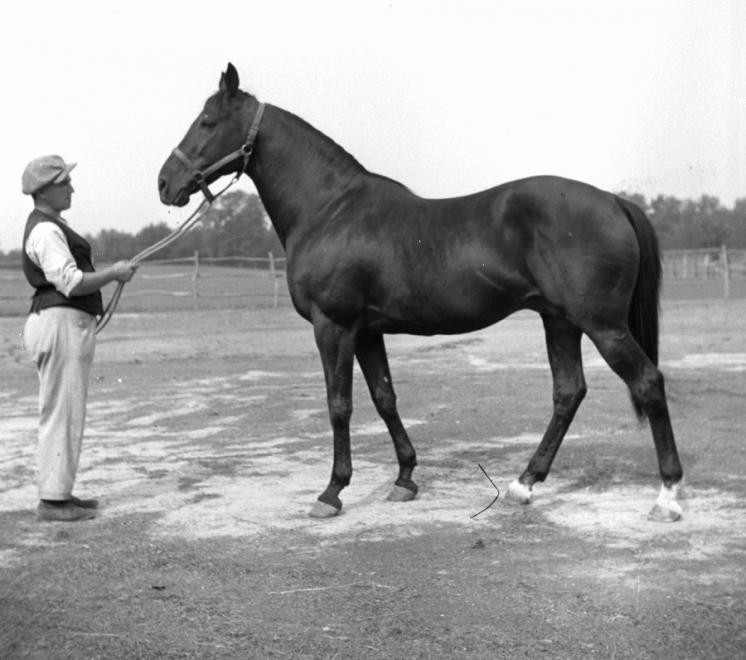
[218, 142]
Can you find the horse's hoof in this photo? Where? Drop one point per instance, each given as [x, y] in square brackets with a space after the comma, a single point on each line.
[667, 508]
[520, 492]
[660, 514]
[323, 510]
[401, 494]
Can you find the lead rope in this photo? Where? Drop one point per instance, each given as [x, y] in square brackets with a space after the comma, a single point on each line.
[192, 220]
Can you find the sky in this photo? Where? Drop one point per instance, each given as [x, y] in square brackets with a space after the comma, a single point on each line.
[449, 98]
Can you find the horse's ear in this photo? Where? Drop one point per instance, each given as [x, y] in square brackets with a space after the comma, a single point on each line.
[229, 80]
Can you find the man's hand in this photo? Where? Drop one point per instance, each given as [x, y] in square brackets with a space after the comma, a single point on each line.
[123, 271]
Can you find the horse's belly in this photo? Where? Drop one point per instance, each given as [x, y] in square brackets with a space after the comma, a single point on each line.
[434, 314]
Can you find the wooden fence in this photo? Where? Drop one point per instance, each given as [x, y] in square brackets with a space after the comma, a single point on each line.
[230, 267]
[724, 266]
[197, 282]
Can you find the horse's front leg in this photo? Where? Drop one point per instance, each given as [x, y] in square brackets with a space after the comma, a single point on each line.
[337, 348]
[371, 355]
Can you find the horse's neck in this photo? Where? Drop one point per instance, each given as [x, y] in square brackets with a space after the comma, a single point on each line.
[297, 170]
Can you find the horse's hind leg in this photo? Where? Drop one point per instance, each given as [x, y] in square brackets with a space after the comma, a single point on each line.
[565, 360]
[645, 383]
[371, 355]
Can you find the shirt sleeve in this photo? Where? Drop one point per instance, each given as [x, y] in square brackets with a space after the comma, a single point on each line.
[47, 248]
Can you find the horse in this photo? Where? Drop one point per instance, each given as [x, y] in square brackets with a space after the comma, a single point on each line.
[368, 257]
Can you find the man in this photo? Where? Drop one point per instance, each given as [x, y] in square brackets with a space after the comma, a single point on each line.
[60, 332]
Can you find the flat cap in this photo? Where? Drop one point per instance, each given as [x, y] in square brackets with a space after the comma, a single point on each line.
[42, 171]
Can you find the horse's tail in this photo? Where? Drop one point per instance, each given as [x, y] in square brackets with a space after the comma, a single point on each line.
[645, 304]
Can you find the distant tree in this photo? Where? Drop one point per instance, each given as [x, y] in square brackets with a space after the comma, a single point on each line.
[237, 225]
[112, 245]
[687, 224]
[150, 235]
[665, 214]
[704, 223]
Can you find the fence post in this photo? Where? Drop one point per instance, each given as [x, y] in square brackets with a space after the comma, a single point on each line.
[726, 271]
[195, 277]
[273, 275]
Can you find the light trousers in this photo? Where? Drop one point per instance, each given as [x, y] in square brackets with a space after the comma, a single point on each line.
[61, 342]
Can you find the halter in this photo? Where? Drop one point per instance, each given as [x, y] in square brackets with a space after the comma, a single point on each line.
[245, 150]
[199, 177]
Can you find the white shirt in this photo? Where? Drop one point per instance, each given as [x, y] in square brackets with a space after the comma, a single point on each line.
[47, 248]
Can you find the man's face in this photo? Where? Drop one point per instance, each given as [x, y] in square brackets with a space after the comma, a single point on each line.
[57, 196]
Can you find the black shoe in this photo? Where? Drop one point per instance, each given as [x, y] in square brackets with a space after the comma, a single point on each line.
[84, 504]
[65, 512]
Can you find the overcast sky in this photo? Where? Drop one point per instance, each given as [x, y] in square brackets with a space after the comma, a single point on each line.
[447, 97]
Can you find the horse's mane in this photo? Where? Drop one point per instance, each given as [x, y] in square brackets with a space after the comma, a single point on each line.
[317, 144]
[329, 150]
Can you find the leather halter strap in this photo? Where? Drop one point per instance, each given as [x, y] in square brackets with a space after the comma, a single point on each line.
[245, 150]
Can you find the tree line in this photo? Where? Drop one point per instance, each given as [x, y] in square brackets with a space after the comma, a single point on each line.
[683, 224]
[236, 225]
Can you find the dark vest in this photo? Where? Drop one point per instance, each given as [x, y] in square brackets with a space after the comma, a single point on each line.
[46, 295]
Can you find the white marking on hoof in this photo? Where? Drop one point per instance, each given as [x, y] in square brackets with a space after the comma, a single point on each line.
[323, 510]
[520, 492]
[667, 508]
[400, 494]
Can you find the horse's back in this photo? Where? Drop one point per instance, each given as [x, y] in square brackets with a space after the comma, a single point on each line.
[549, 241]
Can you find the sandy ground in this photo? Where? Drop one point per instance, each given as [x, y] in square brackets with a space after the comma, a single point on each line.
[209, 430]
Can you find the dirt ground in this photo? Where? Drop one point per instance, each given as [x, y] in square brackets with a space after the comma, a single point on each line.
[208, 441]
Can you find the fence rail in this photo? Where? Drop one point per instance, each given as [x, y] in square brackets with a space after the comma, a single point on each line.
[232, 268]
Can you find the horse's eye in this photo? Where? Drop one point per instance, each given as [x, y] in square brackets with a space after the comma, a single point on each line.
[207, 122]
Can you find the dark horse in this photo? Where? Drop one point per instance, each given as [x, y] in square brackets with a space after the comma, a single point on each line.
[366, 256]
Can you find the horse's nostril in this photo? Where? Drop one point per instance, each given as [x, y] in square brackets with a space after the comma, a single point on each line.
[161, 184]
